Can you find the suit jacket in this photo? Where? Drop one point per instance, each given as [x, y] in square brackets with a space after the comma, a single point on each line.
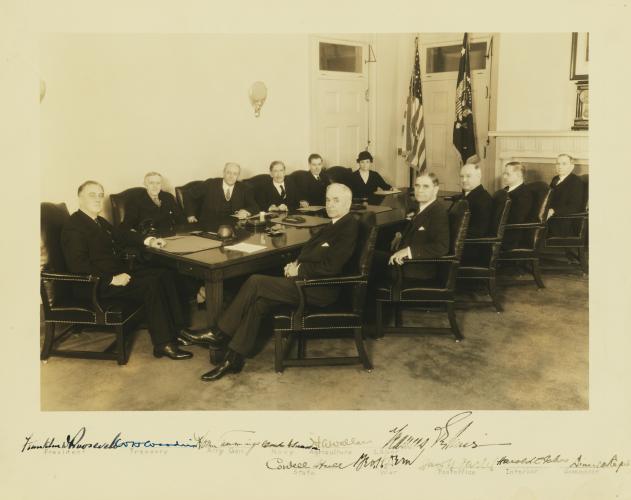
[326, 254]
[427, 235]
[566, 198]
[522, 202]
[214, 204]
[481, 210]
[312, 190]
[141, 213]
[92, 247]
[363, 189]
[269, 195]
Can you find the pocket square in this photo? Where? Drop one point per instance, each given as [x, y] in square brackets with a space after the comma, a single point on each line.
[421, 228]
[325, 244]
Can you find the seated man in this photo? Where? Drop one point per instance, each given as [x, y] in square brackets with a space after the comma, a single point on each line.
[425, 236]
[364, 181]
[89, 244]
[521, 207]
[223, 197]
[313, 186]
[325, 254]
[480, 208]
[566, 197]
[279, 194]
[154, 211]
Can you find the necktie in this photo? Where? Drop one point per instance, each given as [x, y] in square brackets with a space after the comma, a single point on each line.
[227, 194]
[283, 195]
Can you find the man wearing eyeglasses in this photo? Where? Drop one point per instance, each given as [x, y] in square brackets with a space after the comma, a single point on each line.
[91, 246]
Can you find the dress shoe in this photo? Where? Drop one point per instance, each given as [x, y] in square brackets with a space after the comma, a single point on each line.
[214, 340]
[172, 351]
[181, 341]
[233, 363]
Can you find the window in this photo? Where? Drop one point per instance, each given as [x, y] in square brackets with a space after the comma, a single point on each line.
[338, 57]
[447, 58]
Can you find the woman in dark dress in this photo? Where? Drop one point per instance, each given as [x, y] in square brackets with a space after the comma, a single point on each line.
[364, 181]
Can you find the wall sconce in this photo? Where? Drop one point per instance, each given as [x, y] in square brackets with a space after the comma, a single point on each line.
[258, 94]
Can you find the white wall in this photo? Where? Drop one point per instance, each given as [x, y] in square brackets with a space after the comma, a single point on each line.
[533, 90]
[119, 105]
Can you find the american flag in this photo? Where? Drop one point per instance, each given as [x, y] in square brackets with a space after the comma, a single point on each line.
[413, 130]
[464, 132]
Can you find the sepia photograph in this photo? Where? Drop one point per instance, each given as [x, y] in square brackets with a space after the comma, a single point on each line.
[314, 250]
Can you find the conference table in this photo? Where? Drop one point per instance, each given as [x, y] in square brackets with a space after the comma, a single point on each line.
[215, 265]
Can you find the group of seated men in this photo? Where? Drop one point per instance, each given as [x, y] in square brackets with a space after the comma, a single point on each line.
[90, 245]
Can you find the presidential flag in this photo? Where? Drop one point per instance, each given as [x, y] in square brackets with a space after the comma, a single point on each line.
[413, 130]
[464, 131]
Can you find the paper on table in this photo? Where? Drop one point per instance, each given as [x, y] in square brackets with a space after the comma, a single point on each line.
[246, 247]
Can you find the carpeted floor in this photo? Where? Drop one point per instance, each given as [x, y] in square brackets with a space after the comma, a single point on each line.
[534, 356]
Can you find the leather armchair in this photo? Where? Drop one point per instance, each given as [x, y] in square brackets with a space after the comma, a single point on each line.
[306, 321]
[437, 293]
[119, 203]
[185, 197]
[62, 309]
[534, 233]
[483, 252]
[577, 225]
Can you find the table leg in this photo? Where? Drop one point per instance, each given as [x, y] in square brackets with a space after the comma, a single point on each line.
[214, 300]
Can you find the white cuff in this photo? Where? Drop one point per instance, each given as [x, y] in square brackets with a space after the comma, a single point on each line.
[409, 252]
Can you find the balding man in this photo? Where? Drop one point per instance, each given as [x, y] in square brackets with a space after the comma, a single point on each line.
[154, 210]
[223, 197]
[90, 243]
[522, 201]
[566, 197]
[479, 200]
[324, 255]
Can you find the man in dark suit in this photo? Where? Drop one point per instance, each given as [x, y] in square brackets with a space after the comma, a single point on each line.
[280, 193]
[90, 244]
[223, 197]
[522, 201]
[566, 197]
[312, 187]
[426, 235]
[480, 208]
[154, 211]
[363, 181]
[325, 254]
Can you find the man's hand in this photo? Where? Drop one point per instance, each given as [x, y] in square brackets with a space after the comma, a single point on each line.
[398, 257]
[304, 203]
[273, 208]
[121, 279]
[282, 208]
[396, 241]
[191, 218]
[550, 213]
[291, 269]
[158, 243]
[242, 214]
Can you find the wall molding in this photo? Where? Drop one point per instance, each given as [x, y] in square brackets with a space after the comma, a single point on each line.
[538, 147]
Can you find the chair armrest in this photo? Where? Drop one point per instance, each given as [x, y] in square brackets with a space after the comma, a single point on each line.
[483, 240]
[445, 258]
[525, 225]
[79, 278]
[333, 281]
[580, 215]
